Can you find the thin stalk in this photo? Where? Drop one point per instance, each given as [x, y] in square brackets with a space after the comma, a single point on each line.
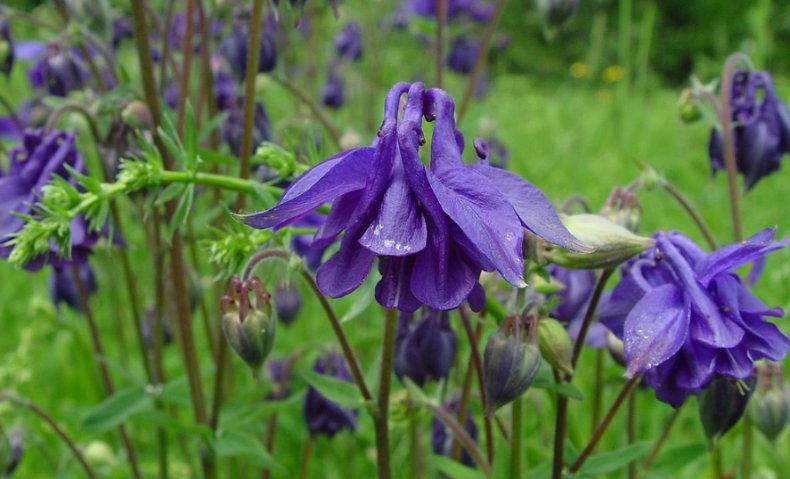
[469, 444]
[693, 214]
[624, 392]
[331, 130]
[212, 179]
[478, 363]
[220, 358]
[381, 416]
[211, 339]
[661, 438]
[104, 372]
[206, 74]
[271, 433]
[560, 426]
[630, 430]
[589, 315]
[516, 434]
[26, 403]
[253, 50]
[441, 20]
[415, 450]
[164, 35]
[463, 405]
[304, 464]
[747, 446]
[715, 456]
[480, 59]
[186, 67]
[729, 148]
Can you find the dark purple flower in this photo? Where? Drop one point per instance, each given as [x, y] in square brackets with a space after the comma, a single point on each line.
[348, 42]
[722, 402]
[280, 377]
[233, 128]
[6, 46]
[426, 351]
[30, 167]
[511, 361]
[234, 46]
[225, 93]
[427, 8]
[121, 30]
[322, 415]
[574, 299]
[761, 128]
[442, 438]
[59, 72]
[684, 317]
[332, 94]
[63, 287]
[433, 229]
[462, 55]
[302, 244]
[287, 302]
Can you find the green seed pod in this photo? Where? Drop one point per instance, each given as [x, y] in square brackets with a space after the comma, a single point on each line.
[250, 331]
[555, 345]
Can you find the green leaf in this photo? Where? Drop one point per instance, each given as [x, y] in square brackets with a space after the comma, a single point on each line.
[182, 210]
[360, 302]
[244, 445]
[454, 469]
[213, 157]
[172, 191]
[673, 458]
[182, 426]
[607, 462]
[343, 393]
[116, 409]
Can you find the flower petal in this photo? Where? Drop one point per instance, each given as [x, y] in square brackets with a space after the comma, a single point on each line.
[655, 329]
[321, 184]
[342, 209]
[346, 269]
[734, 255]
[485, 217]
[394, 289]
[442, 279]
[533, 208]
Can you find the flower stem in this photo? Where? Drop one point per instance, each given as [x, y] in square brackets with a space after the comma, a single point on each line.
[88, 116]
[469, 444]
[331, 129]
[480, 59]
[515, 437]
[715, 456]
[560, 425]
[253, 50]
[661, 438]
[589, 315]
[463, 405]
[729, 144]
[186, 66]
[630, 430]
[271, 433]
[104, 372]
[478, 363]
[692, 212]
[26, 403]
[381, 416]
[624, 392]
[416, 454]
[304, 464]
[746, 433]
[597, 389]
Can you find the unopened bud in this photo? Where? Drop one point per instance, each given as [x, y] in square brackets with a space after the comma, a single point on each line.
[622, 207]
[248, 328]
[137, 115]
[510, 365]
[687, 107]
[722, 403]
[612, 243]
[770, 405]
[555, 345]
[287, 302]
[615, 347]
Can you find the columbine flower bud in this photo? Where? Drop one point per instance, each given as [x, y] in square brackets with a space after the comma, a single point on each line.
[280, 377]
[249, 328]
[462, 55]
[6, 46]
[722, 403]
[137, 115]
[426, 351]
[555, 345]
[687, 107]
[287, 302]
[511, 361]
[622, 207]
[770, 405]
[332, 94]
[612, 243]
[59, 73]
[348, 42]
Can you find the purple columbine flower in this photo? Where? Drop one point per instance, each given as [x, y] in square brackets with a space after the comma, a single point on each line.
[574, 299]
[761, 128]
[30, 167]
[333, 93]
[684, 317]
[462, 55]
[6, 46]
[442, 438]
[322, 415]
[63, 287]
[433, 229]
[233, 128]
[426, 351]
[121, 30]
[491, 152]
[235, 44]
[348, 42]
[59, 72]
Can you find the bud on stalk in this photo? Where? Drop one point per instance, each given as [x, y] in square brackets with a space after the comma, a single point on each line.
[248, 328]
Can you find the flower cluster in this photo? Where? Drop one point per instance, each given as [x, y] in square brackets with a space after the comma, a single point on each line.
[684, 317]
[433, 229]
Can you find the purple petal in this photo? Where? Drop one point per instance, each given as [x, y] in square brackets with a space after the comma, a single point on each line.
[485, 217]
[696, 364]
[321, 184]
[532, 207]
[734, 255]
[393, 290]
[441, 280]
[477, 298]
[655, 329]
[28, 50]
[342, 209]
[346, 269]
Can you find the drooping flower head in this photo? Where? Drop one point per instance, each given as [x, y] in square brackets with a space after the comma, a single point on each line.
[322, 415]
[684, 317]
[31, 165]
[348, 42]
[761, 128]
[424, 351]
[433, 229]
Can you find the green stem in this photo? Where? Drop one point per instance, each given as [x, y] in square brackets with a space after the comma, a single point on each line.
[597, 389]
[589, 315]
[463, 405]
[271, 433]
[560, 425]
[253, 50]
[478, 363]
[381, 417]
[416, 455]
[661, 438]
[729, 145]
[624, 392]
[715, 456]
[692, 212]
[20, 401]
[186, 67]
[469, 444]
[746, 433]
[88, 116]
[630, 430]
[304, 463]
[224, 182]
[515, 437]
